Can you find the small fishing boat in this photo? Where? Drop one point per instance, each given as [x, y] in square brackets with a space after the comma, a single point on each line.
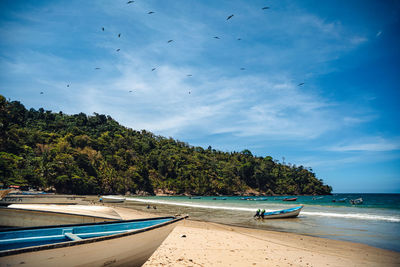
[356, 201]
[117, 243]
[286, 213]
[340, 200]
[316, 198]
[112, 199]
[290, 199]
[195, 197]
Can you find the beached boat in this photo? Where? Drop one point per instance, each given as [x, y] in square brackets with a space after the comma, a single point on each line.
[118, 243]
[290, 199]
[356, 201]
[41, 199]
[280, 214]
[111, 199]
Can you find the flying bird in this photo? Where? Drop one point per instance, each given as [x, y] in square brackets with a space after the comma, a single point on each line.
[41, 93]
[230, 17]
[300, 84]
[102, 29]
[266, 7]
[97, 68]
[242, 68]
[151, 12]
[153, 69]
[189, 92]
[130, 91]
[170, 41]
[67, 85]
[118, 50]
[119, 35]
[216, 37]
[130, 2]
[189, 75]
[239, 39]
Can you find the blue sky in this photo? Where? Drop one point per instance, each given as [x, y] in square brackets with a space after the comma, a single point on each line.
[228, 93]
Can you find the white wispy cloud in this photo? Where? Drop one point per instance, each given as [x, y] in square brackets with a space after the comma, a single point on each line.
[376, 144]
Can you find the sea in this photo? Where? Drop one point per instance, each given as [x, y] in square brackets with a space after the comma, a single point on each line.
[375, 222]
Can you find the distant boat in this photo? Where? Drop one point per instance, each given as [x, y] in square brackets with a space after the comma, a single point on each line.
[118, 243]
[260, 199]
[356, 201]
[340, 200]
[111, 199]
[214, 198]
[290, 199]
[316, 198]
[194, 197]
[286, 213]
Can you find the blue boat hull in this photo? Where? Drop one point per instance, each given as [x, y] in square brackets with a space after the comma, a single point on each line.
[120, 243]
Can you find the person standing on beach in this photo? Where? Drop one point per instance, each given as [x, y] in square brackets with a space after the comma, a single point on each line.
[257, 213]
[262, 213]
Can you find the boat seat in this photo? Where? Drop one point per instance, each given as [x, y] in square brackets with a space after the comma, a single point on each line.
[72, 236]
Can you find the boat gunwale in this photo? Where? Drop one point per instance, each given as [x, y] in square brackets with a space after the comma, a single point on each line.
[88, 240]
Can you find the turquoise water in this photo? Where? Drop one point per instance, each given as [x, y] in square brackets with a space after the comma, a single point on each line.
[376, 222]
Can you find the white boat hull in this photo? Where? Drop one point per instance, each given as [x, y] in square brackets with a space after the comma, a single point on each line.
[129, 250]
[291, 214]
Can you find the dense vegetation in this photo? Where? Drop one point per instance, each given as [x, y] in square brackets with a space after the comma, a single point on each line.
[83, 154]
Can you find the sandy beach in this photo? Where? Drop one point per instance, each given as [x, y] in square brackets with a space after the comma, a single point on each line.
[197, 243]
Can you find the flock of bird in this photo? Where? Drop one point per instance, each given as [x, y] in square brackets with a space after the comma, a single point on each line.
[170, 41]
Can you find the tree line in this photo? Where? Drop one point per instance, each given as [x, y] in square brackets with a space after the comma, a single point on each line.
[81, 154]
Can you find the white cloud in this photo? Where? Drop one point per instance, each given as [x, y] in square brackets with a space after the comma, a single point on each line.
[376, 144]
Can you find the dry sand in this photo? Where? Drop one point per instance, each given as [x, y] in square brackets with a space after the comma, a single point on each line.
[194, 243]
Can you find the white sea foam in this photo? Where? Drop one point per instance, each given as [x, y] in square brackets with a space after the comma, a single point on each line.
[359, 216]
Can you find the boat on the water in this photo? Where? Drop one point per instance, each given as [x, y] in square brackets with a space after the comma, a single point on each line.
[290, 199]
[340, 200]
[356, 201]
[117, 243]
[41, 199]
[112, 199]
[286, 213]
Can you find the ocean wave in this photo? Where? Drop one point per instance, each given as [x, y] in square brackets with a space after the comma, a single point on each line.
[359, 216]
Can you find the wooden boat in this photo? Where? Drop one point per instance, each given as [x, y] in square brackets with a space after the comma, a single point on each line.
[111, 199]
[290, 199]
[286, 213]
[41, 199]
[118, 243]
[356, 201]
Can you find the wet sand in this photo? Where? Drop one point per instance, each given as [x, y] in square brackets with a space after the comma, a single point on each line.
[196, 243]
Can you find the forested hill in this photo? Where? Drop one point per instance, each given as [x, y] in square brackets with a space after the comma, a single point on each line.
[83, 154]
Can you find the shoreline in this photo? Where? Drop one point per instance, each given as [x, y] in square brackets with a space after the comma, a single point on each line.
[201, 243]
